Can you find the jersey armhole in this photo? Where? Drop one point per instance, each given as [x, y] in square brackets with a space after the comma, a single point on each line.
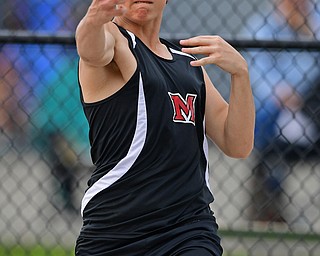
[129, 35]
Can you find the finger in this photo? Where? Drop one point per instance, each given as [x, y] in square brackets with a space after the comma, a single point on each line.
[201, 62]
[196, 41]
[119, 10]
[118, 4]
[110, 5]
[198, 50]
[112, 2]
[114, 7]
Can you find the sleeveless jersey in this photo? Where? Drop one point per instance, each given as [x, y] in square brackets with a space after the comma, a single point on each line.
[149, 148]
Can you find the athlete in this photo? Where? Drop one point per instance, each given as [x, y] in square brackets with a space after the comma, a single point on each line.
[150, 106]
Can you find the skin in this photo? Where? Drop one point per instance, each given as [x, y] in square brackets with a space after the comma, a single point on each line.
[110, 64]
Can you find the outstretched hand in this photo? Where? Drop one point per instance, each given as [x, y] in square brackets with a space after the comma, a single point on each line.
[102, 11]
[216, 51]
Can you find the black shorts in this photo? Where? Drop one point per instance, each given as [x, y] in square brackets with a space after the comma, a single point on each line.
[189, 239]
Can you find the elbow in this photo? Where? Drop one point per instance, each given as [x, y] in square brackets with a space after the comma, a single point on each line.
[96, 60]
[239, 155]
[242, 151]
[98, 56]
[243, 154]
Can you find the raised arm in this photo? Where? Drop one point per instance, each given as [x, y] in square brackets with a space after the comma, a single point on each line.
[106, 62]
[94, 38]
[230, 126]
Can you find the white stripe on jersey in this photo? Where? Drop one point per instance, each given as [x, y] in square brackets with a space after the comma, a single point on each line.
[133, 38]
[126, 163]
[182, 53]
[206, 153]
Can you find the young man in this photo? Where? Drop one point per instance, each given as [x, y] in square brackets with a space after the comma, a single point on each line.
[150, 105]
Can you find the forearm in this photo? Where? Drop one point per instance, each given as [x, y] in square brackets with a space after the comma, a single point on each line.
[239, 125]
[231, 126]
[94, 43]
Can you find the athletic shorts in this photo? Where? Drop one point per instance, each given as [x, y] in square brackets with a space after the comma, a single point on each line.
[197, 238]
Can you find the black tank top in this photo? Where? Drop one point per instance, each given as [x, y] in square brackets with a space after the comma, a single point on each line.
[148, 147]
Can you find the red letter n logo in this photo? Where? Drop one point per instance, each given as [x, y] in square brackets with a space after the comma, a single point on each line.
[183, 109]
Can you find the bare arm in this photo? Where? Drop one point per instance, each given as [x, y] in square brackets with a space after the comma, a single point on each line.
[94, 38]
[106, 62]
[230, 126]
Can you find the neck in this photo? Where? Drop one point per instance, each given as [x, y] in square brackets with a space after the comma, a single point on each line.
[148, 33]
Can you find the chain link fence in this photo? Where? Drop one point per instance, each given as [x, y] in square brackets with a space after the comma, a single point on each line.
[268, 204]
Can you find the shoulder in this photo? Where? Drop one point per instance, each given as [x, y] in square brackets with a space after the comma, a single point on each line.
[119, 33]
[175, 48]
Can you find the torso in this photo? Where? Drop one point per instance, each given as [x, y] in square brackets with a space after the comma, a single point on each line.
[149, 147]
